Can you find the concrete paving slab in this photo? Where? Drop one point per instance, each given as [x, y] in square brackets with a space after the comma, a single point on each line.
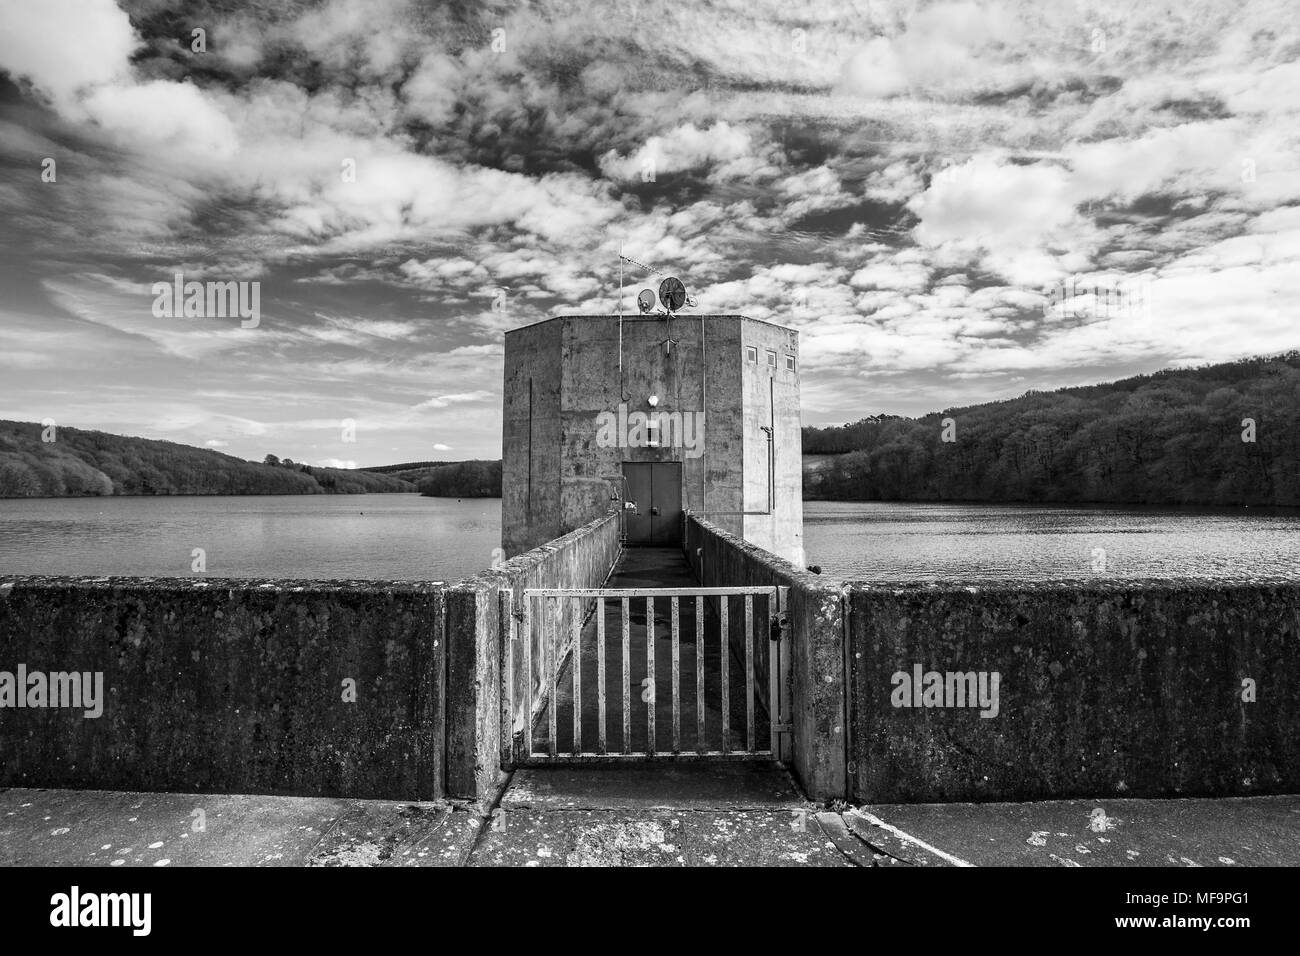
[720, 786]
[376, 833]
[674, 838]
[109, 828]
[720, 816]
[1245, 831]
[851, 846]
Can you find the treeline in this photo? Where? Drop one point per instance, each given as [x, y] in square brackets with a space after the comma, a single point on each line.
[463, 479]
[408, 466]
[1225, 434]
[79, 462]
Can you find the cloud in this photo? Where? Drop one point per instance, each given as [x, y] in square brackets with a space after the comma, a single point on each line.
[64, 46]
[900, 181]
[176, 117]
[462, 398]
[949, 48]
[1010, 218]
[686, 147]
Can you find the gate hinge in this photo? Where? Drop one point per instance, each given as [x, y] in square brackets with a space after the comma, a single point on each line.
[785, 728]
[777, 628]
[518, 616]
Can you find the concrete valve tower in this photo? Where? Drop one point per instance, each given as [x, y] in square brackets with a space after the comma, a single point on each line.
[654, 414]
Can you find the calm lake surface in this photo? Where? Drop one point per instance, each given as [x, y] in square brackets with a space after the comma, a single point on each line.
[937, 542]
[406, 537]
[399, 537]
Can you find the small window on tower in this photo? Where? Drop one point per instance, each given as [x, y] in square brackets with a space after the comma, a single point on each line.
[771, 358]
[789, 363]
[751, 353]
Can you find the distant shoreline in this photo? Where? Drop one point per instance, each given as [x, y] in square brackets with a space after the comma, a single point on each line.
[1136, 506]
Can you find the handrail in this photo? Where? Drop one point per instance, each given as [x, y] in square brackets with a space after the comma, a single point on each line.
[649, 592]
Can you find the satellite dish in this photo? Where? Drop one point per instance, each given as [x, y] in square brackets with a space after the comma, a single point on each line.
[646, 300]
[672, 293]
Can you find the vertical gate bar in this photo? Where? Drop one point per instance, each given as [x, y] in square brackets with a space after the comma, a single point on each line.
[600, 675]
[773, 676]
[550, 635]
[726, 662]
[528, 673]
[749, 672]
[783, 688]
[699, 675]
[577, 676]
[677, 679]
[507, 611]
[651, 740]
[627, 683]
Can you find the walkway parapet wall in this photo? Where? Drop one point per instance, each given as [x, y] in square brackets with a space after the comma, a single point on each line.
[476, 706]
[367, 689]
[1133, 689]
[817, 663]
[233, 686]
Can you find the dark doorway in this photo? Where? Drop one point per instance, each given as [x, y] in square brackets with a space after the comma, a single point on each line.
[656, 488]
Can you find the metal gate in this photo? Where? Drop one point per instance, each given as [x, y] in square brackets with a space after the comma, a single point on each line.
[693, 673]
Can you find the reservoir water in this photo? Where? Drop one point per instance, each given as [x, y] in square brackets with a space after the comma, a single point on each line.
[877, 541]
[399, 537]
[407, 537]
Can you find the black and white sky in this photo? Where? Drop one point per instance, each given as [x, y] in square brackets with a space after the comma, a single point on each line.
[905, 182]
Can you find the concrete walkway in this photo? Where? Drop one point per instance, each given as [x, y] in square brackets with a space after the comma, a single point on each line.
[1228, 831]
[108, 828]
[732, 814]
[666, 815]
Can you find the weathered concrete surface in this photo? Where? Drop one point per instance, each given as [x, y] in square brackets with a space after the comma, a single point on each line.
[230, 685]
[1120, 690]
[367, 689]
[476, 708]
[692, 815]
[684, 786]
[655, 838]
[561, 374]
[682, 815]
[1233, 831]
[817, 629]
[104, 828]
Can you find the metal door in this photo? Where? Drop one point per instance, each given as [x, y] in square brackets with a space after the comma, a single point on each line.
[656, 489]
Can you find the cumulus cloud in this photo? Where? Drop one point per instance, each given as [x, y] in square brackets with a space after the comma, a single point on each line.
[65, 46]
[459, 398]
[686, 147]
[1009, 217]
[161, 115]
[946, 48]
[902, 182]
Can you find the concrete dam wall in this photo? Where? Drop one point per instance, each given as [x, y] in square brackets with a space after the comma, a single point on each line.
[816, 612]
[1100, 690]
[364, 689]
[926, 693]
[899, 693]
[231, 686]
